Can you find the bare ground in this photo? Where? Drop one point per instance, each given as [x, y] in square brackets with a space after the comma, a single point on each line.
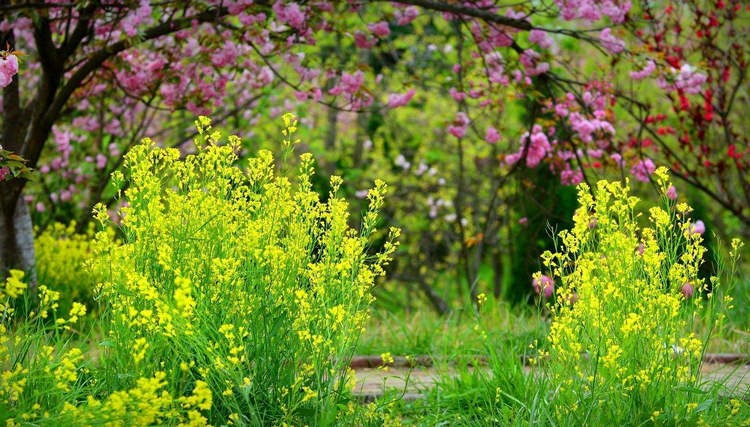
[413, 382]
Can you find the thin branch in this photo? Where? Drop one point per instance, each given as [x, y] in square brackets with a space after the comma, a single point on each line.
[483, 14]
[98, 58]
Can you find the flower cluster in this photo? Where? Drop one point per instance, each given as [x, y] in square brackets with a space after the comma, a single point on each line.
[624, 298]
[8, 68]
[272, 282]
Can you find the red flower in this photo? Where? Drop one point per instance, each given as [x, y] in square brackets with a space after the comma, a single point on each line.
[673, 61]
[684, 103]
[733, 153]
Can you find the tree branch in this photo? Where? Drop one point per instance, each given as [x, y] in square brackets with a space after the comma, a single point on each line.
[475, 12]
[82, 29]
[96, 60]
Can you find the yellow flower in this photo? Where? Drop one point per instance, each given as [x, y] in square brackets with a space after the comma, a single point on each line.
[387, 359]
[481, 299]
[13, 285]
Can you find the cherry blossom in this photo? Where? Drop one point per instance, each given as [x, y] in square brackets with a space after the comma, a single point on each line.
[396, 100]
[643, 169]
[8, 69]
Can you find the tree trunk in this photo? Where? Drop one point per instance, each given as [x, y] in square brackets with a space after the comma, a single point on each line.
[16, 234]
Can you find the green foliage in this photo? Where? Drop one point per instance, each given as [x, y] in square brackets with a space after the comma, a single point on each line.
[625, 319]
[14, 165]
[243, 280]
[626, 339]
[545, 205]
[235, 296]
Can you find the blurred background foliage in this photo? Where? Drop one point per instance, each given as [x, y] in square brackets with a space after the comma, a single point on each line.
[471, 223]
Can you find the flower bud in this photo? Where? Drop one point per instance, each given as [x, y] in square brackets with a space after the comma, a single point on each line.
[687, 290]
[698, 227]
[544, 285]
[672, 193]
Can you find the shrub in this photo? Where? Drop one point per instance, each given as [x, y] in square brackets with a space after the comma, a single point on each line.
[61, 255]
[240, 280]
[631, 314]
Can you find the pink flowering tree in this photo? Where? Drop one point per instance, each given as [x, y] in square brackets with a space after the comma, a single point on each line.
[95, 77]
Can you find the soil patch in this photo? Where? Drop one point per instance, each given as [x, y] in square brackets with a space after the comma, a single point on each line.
[412, 379]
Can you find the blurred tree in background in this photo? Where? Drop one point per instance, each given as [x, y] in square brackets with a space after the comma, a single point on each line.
[480, 114]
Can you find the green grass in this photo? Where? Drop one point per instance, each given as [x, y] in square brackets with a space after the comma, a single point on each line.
[424, 332]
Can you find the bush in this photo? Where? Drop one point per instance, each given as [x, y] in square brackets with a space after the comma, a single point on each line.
[236, 296]
[631, 315]
[242, 281]
[61, 255]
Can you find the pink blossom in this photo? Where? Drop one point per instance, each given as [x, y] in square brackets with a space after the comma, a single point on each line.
[395, 100]
[459, 126]
[402, 162]
[236, 7]
[248, 19]
[592, 11]
[561, 109]
[643, 170]
[698, 227]
[520, 15]
[617, 158]
[66, 195]
[687, 290]
[300, 95]
[141, 16]
[544, 285]
[689, 80]
[8, 69]
[362, 41]
[406, 15]
[541, 38]
[317, 94]
[672, 193]
[101, 161]
[264, 77]
[587, 128]
[114, 150]
[457, 95]
[530, 59]
[610, 42]
[511, 159]
[645, 72]
[349, 84]
[380, 29]
[538, 146]
[40, 207]
[4, 171]
[227, 55]
[290, 13]
[492, 136]
[523, 220]
[571, 176]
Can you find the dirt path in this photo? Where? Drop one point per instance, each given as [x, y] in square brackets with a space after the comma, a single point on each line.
[414, 382]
